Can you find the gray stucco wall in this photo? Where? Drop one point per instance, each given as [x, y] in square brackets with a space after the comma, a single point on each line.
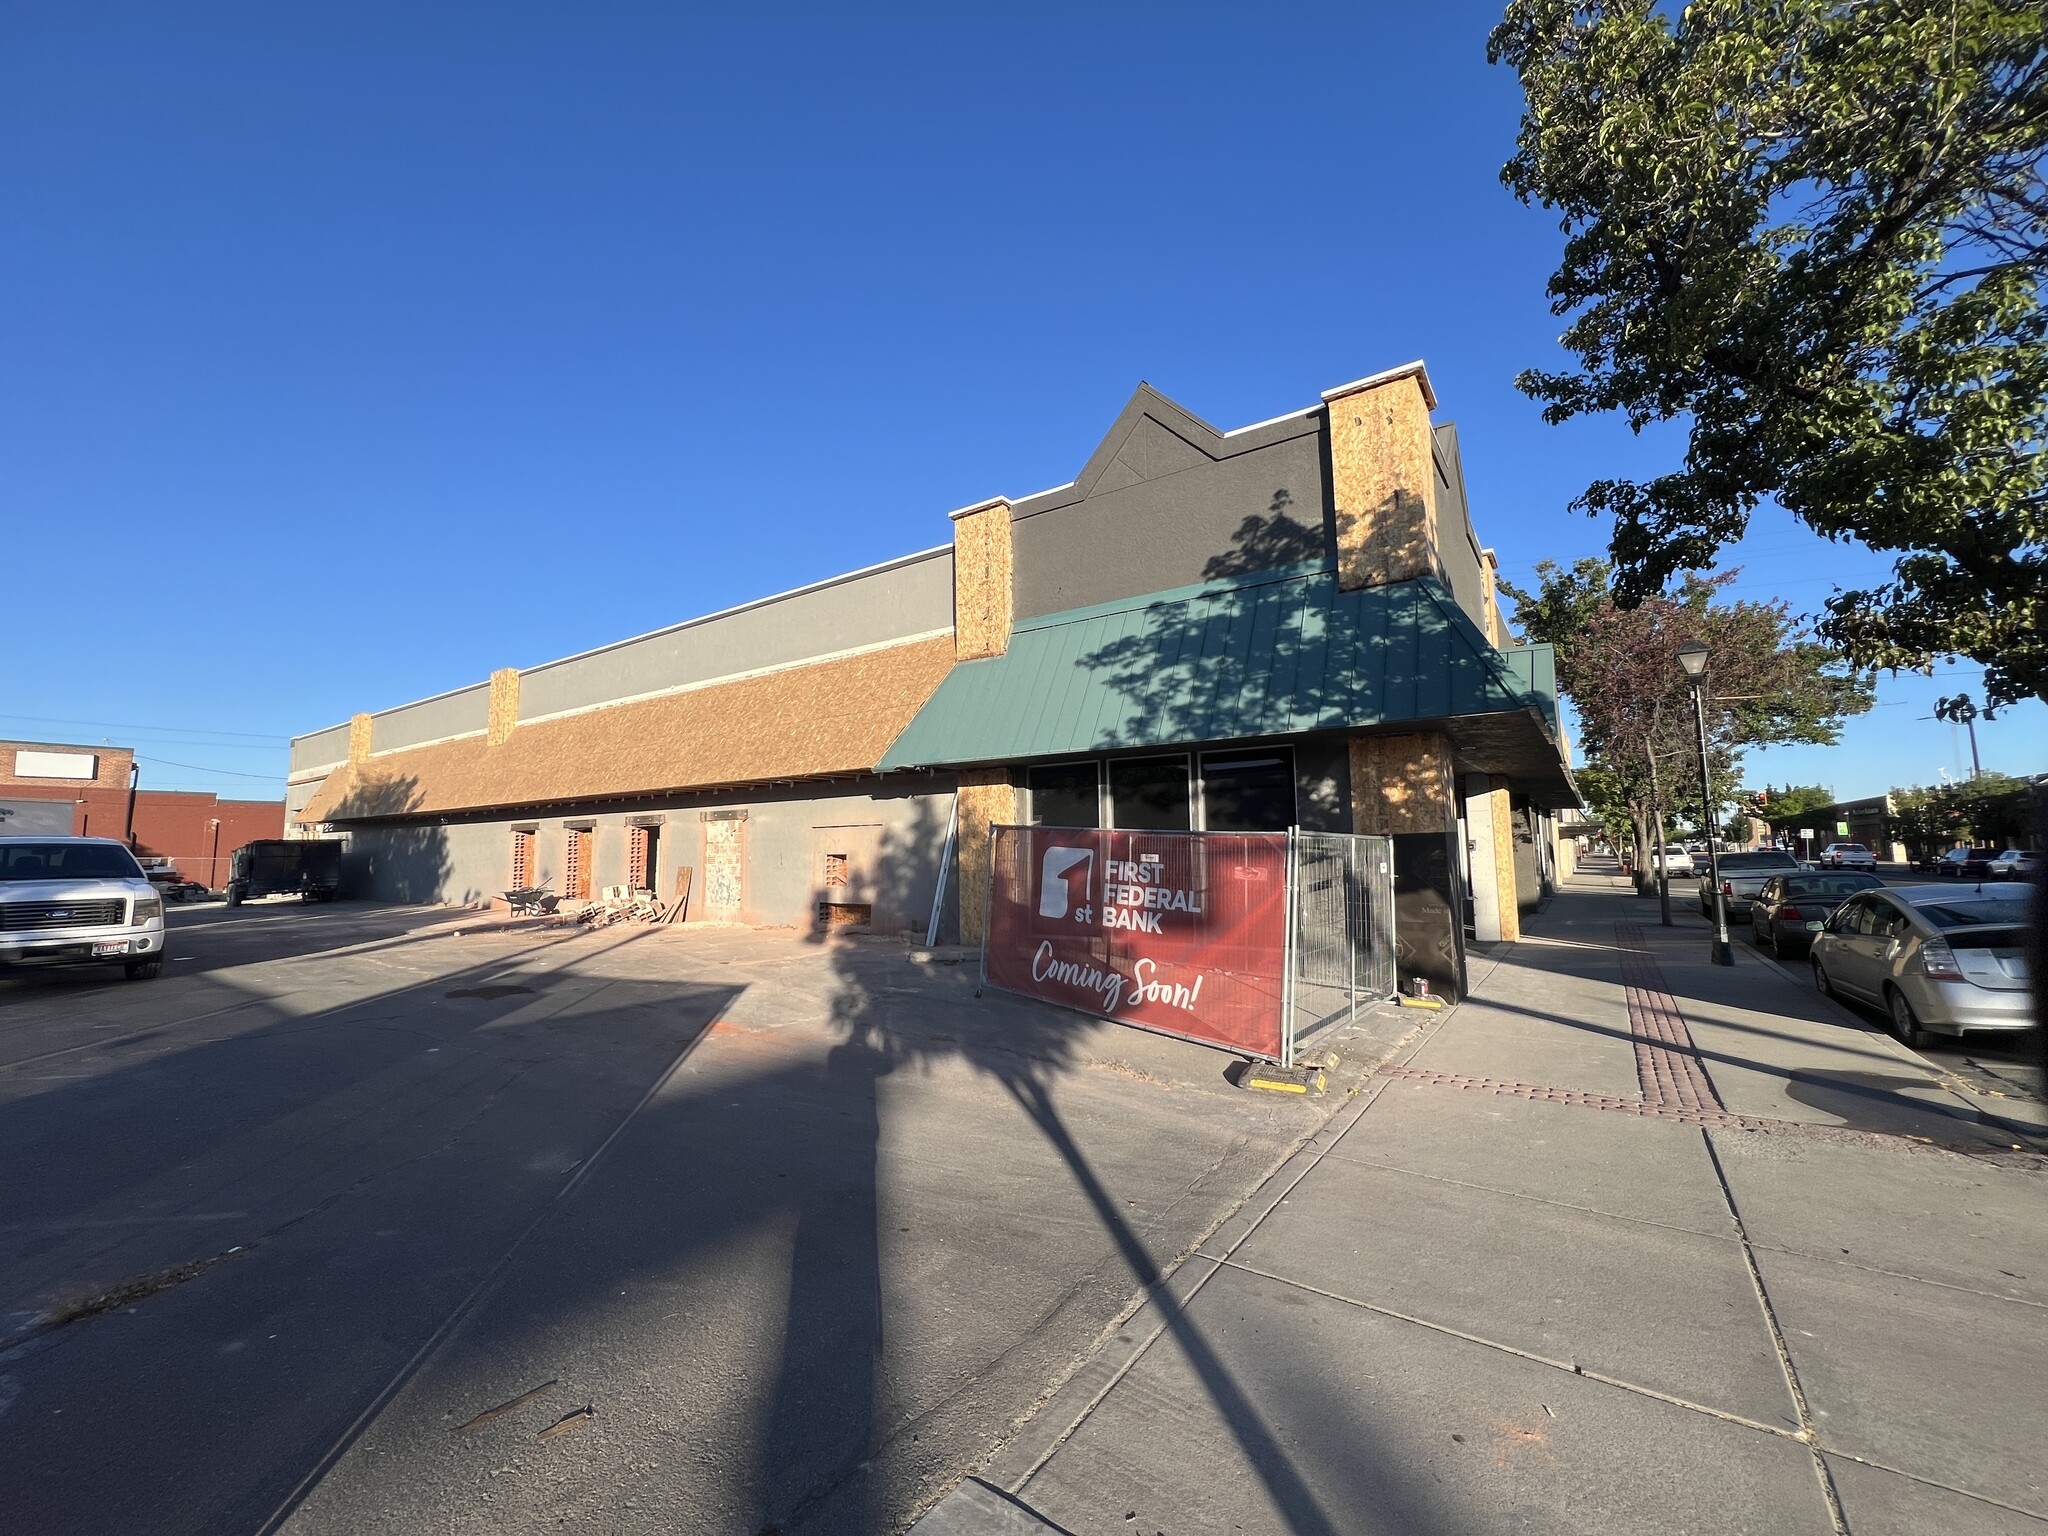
[1190, 518]
[320, 748]
[909, 597]
[470, 861]
[461, 713]
[1457, 543]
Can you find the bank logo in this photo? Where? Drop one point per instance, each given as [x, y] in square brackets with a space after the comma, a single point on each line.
[1064, 876]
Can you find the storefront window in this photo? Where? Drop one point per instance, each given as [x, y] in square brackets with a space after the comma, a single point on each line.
[1149, 794]
[1248, 791]
[1064, 795]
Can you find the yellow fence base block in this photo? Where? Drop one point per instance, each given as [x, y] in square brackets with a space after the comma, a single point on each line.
[1266, 1077]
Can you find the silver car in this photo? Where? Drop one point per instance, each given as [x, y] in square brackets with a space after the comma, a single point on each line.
[78, 901]
[1936, 959]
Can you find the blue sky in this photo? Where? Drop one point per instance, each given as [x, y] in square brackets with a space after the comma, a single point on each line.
[351, 352]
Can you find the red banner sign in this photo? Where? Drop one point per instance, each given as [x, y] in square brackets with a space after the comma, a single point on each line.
[1182, 932]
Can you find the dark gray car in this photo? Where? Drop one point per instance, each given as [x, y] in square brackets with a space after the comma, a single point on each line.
[1791, 909]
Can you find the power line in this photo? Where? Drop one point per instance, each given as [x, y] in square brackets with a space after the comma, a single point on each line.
[129, 725]
[165, 762]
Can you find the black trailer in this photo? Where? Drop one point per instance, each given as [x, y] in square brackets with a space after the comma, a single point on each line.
[309, 868]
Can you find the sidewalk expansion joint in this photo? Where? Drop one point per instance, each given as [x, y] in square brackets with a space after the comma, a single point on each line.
[1830, 1495]
[1569, 1367]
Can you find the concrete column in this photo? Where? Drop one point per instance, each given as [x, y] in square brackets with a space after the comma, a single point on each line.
[983, 598]
[987, 799]
[360, 728]
[503, 711]
[1493, 921]
[1402, 788]
[1383, 478]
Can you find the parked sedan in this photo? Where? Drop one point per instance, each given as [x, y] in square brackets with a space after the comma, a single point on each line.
[1791, 909]
[1938, 961]
[1742, 876]
[1847, 856]
[1965, 863]
[2014, 864]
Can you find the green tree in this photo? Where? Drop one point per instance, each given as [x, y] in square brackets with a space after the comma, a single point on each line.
[1786, 805]
[1816, 233]
[1770, 682]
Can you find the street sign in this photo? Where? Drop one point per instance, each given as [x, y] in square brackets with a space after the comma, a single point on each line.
[1806, 831]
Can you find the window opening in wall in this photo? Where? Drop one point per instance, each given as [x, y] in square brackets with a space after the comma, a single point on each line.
[835, 870]
[1065, 795]
[641, 846]
[522, 861]
[1248, 791]
[576, 865]
[1149, 794]
[845, 914]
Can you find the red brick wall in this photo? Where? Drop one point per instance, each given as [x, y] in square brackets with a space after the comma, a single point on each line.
[169, 823]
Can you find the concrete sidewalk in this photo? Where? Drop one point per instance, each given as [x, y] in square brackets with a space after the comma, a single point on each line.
[1626, 1243]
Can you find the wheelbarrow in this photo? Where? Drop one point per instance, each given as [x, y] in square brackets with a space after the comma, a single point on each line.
[532, 899]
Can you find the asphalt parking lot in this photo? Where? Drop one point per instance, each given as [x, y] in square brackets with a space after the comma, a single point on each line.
[751, 1233]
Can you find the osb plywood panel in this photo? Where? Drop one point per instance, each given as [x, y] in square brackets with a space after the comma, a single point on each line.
[1401, 784]
[1508, 903]
[1383, 485]
[360, 729]
[831, 717]
[503, 710]
[983, 599]
[987, 799]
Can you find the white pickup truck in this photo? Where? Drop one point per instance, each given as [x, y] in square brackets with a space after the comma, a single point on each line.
[78, 901]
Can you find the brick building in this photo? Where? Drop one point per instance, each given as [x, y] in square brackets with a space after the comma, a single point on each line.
[1289, 624]
[65, 789]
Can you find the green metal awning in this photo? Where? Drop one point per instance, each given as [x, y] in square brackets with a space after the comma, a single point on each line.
[1277, 653]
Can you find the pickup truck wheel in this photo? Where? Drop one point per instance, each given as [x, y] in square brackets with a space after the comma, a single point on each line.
[144, 970]
[234, 896]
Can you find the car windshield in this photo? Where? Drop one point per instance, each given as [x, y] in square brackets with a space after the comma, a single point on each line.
[1831, 885]
[67, 861]
[1758, 861]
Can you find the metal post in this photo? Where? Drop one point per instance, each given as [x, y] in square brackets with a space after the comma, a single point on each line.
[134, 778]
[1288, 951]
[1722, 954]
[1354, 889]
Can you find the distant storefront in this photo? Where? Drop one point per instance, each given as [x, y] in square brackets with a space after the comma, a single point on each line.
[1289, 624]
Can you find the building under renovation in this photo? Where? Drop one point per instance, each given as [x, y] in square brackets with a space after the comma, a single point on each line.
[1288, 624]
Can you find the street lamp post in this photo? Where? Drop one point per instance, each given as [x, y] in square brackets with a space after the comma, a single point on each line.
[1693, 658]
